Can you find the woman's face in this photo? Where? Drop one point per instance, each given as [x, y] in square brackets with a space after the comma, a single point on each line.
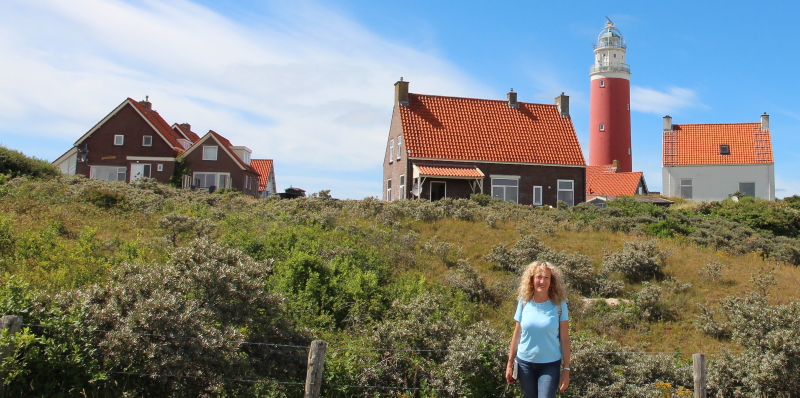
[541, 281]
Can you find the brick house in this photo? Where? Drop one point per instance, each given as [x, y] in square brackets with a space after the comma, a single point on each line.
[214, 163]
[706, 162]
[266, 179]
[453, 147]
[131, 142]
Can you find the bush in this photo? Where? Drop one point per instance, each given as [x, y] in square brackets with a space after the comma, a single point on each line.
[712, 270]
[638, 261]
[467, 280]
[581, 276]
[516, 259]
[16, 164]
[104, 198]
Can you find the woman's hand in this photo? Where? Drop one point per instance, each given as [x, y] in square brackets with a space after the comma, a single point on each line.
[510, 373]
[564, 381]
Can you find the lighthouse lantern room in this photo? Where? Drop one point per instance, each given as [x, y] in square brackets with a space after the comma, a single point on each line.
[610, 93]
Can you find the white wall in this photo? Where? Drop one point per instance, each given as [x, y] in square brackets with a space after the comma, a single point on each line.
[716, 182]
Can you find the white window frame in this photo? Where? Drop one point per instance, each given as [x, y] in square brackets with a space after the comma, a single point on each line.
[206, 155]
[399, 147]
[541, 195]
[147, 140]
[571, 190]
[160, 167]
[120, 175]
[496, 183]
[402, 187]
[602, 127]
[119, 140]
[748, 182]
[389, 189]
[683, 185]
[226, 184]
[602, 82]
[391, 151]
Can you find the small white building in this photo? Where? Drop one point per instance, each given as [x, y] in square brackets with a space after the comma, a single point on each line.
[705, 162]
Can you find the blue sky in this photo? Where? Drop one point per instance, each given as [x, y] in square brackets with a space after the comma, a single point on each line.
[309, 83]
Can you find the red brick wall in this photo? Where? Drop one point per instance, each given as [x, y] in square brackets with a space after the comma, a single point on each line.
[127, 122]
[223, 164]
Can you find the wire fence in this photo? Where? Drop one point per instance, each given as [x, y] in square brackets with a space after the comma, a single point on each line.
[300, 349]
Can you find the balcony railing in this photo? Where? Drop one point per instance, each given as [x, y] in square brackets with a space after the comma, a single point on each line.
[610, 44]
[611, 67]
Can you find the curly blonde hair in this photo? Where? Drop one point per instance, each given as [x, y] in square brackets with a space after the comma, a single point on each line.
[557, 292]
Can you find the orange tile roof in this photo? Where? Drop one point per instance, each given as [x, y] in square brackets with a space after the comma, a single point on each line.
[453, 128]
[190, 135]
[263, 167]
[450, 171]
[604, 180]
[691, 144]
[160, 124]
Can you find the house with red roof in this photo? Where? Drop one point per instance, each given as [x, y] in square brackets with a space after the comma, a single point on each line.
[706, 162]
[214, 163]
[131, 142]
[453, 147]
[266, 179]
[605, 180]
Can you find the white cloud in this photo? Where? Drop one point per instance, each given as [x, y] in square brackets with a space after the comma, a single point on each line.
[303, 84]
[662, 103]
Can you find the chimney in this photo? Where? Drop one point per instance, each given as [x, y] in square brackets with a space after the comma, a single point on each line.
[401, 92]
[512, 99]
[146, 103]
[668, 123]
[186, 126]
[615, 165]
[562, 101]
[765, 122]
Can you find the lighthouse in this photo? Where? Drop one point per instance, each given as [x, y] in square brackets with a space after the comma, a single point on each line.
[609, 102]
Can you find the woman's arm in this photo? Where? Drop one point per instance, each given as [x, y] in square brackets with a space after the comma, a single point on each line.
[566, 351]
[512, 353]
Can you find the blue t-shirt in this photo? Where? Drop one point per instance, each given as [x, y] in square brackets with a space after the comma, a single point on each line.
[539, 342]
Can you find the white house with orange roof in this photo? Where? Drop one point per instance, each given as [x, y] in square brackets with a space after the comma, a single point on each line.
[453, 147]
[705, 162]
[266, 179]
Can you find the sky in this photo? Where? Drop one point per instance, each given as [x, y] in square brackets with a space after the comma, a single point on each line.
[310, 83]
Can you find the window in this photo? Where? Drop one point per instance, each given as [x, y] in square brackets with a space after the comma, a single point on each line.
[724, 149]
[537, 196]
[147, 140]
[210, 152]
[119, 140]
[438, 190]
[399, 147]
[602, 83]
[506, 188]
[108, 173]
[686, 188]
[389, 189]
[160, 167]
[212, 181]
[602, 127]
[391, 151]
[566, 192]
[246, 157]
[402, 193]
[748, 188]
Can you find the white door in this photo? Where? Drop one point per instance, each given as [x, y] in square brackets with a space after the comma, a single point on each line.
[139, 170]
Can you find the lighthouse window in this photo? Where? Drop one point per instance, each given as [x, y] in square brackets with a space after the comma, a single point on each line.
[602, 83]
[602, 127]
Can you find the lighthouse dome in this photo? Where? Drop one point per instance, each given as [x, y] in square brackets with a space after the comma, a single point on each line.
[610, 36]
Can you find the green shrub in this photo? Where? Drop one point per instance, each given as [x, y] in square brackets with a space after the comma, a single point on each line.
[16, 164]
[639, 260]
[104, 198]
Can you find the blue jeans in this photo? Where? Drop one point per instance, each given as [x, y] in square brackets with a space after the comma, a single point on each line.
[539, 380]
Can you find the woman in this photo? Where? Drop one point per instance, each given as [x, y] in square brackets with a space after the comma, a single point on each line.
[541, 337]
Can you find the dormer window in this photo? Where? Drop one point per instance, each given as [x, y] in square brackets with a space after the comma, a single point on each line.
[724, 149]
[147, 140]
[119, 140]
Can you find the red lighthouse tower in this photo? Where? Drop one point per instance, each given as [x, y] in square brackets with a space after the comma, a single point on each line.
[610, 98]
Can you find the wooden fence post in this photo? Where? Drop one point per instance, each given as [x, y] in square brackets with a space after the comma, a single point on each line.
[12, 324]
[699, 366]
[316, 362]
